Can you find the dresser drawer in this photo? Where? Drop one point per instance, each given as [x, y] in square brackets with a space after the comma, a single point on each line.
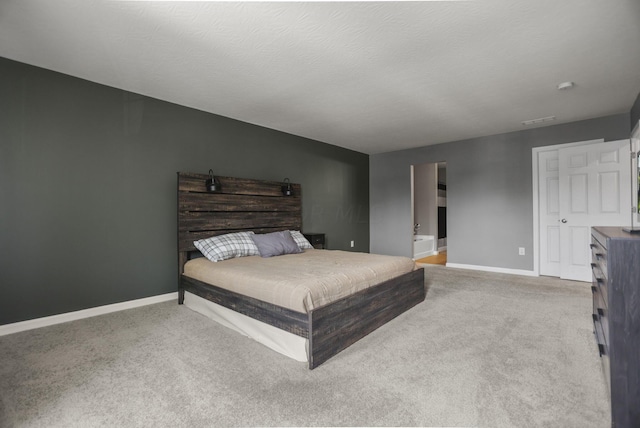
[600, 282]
[598, 331]
[603, 318]
[599, 256]
[597, 298]
[600, 313]
[606, 365]
[603, 351]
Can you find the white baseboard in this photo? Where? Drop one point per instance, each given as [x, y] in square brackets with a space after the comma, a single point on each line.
[85, 313]
[493, 269]
[424, 254]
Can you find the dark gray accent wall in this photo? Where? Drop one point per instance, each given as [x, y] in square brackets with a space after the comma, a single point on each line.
[88, 188]
[489, 192]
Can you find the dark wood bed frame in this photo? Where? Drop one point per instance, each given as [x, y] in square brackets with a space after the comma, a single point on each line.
[258, 205]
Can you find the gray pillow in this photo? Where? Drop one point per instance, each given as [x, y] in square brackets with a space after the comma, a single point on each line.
[276, 244]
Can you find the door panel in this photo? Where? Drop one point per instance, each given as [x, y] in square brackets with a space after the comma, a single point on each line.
[578, 193]
[609, 183]
[549, 209]
[553, 239]
[578, 241]
[553, 196]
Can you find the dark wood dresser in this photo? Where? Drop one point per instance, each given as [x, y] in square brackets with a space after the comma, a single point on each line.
[616, 318]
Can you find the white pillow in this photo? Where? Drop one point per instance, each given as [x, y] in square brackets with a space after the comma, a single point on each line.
[223, 247]
[300, 239]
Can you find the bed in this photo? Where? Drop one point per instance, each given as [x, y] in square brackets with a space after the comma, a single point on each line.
[323, 327]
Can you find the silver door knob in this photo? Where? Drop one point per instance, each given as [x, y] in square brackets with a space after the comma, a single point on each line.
[564, 220]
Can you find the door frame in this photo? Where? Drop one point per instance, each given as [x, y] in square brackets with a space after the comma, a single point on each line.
[536, 195]
[436, 249]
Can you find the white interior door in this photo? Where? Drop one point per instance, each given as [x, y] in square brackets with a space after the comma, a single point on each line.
[594, 189]
[635, 177]
[549, 212]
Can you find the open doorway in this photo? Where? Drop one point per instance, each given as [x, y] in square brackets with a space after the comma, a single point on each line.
[429, 202]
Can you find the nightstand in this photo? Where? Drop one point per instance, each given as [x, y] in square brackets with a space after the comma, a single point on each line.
[316, 239]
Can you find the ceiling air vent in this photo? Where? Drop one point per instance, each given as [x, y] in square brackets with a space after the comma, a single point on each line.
[537, 121]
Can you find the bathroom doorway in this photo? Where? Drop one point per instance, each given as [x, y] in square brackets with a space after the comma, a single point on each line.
[429, 209]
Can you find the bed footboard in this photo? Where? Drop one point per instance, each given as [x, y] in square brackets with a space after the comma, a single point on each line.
[333, 327]
[338, 325]
[277, 316]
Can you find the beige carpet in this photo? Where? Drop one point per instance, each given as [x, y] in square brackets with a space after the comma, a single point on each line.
[484, 349]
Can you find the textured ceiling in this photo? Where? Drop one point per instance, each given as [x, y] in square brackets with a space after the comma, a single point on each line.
[372, 76]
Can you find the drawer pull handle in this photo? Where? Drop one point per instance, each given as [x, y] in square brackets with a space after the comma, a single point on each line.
[595, 317]
[593, 289]
[599, 255]
[600, 312]
[601, 349]
[599, 280]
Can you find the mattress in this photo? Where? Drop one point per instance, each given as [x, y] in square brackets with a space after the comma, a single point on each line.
[300, 282]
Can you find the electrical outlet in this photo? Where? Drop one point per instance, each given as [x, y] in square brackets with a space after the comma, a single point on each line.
[521, 251]
[353, 243]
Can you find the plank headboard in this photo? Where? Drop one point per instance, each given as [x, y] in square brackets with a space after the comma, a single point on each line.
[242, 204]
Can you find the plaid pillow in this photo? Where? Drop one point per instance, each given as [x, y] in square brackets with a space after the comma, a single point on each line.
[223, 247]
[300, 239]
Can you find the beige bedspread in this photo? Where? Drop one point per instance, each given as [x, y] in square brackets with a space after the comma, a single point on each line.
[300, 282]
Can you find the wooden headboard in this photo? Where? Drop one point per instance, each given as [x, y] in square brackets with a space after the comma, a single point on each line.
[243, 204]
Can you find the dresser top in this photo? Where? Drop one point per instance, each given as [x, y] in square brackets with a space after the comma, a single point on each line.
[616, 233]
